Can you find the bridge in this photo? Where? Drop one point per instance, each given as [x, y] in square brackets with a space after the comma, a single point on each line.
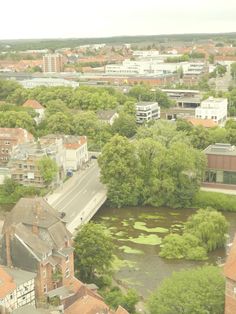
[80, 197]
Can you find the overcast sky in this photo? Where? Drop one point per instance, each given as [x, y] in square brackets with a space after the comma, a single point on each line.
[101, 18]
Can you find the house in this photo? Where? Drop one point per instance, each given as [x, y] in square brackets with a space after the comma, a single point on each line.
[221, 166]
[16, 288]
[24, 160]
[107, 116]
[37, 107]
[9, 138]
[184, 98]
[230, 276]
[146, 111]
[35, 239]
[214, 109]
[76, 151]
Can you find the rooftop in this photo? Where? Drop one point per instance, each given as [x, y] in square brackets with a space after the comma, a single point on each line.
[146, 103]
[221, 149]
[34, 104]
[207, 123]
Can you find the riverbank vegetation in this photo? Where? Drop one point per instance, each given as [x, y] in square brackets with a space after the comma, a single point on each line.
[194, 291]
[11, 191]
[151, 171]
[220, 201]
[203, 232]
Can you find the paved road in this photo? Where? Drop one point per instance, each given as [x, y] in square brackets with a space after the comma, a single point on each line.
[80, 196]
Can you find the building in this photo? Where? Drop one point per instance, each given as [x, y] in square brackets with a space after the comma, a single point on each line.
[107, 116]
[37, 107]
[35, 239]
[184, 98]
[76, 151]
[146, 53]
[9, 138]
[16, 288]
[53, 63]
[213, 108]
[24, 160]
[146, 111]
[206, 123]
[221, 166]
[48, 82]
[230, 276]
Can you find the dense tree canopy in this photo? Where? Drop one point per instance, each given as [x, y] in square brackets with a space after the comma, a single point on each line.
[48, 169]
[93, 252]
[194, 291]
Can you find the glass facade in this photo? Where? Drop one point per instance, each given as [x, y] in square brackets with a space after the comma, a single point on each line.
[220, 176]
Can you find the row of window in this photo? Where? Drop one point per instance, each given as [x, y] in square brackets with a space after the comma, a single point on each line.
[220, 176]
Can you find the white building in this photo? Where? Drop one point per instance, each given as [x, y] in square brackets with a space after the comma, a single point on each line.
[149, 68]
[37, 107]
[49, 82]
[146, 111]
[16, 288]
[146, 53]
[214, 109]
[76, 151]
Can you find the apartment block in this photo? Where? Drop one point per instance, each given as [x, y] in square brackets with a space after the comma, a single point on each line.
[53, 63]
[9, 138]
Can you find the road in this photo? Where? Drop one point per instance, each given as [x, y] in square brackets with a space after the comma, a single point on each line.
[81, 197]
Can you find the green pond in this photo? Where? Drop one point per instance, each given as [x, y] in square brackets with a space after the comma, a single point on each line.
[138, 233]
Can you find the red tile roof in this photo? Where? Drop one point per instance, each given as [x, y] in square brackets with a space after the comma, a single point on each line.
[230, 265]
[30, 103]
[207, 123]
[7, 285]
[19, 134]
[87, 305]
[121, 310]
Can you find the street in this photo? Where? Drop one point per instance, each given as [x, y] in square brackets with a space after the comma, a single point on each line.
[79, 196]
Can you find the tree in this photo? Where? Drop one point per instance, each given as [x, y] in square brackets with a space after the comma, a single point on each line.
[7, 87]
[187, 246]
[209, 226]
[48, 169]
[233, 70]
[124, 125]
[15, 119]
[118, 163]
[59, 123]
[93, 252]
[115, 297]
[194, 291]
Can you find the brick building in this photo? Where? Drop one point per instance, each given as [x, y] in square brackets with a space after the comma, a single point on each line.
[9, 138]
[35, 239]
[221, 166]
[230, 275]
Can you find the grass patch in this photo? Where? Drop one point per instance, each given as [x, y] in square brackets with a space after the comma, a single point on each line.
[220, 201]
[142, 226]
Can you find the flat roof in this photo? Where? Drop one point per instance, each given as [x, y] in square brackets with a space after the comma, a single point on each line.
[20, 276]
[147, 103]
[221, 149]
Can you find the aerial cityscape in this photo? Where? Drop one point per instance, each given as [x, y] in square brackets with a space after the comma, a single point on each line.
[118, 157]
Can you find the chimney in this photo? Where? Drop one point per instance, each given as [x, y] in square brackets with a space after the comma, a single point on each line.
[8, 248]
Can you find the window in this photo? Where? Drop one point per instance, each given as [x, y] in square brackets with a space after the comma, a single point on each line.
[44, 273]
[45, 289]
[67, 258]
[67, 272]
[7, 143]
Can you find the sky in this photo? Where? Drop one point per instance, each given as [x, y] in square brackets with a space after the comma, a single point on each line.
[21, 19]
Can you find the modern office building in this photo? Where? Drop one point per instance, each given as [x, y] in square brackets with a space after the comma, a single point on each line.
[221, 166]
[213, 108]
[146, 111]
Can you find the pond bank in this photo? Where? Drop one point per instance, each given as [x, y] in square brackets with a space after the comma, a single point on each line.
[137, 234]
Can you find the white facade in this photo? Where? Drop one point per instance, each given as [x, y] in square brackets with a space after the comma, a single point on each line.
[149, 68]
[49, 82]
[146, 111]
[146, 53]
[24, 292]
[76, 153]
[214, 109]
